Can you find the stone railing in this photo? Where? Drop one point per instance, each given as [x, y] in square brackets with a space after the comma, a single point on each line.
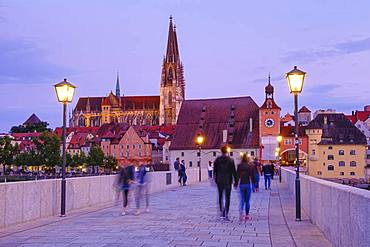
[31, 200]
[341, 212]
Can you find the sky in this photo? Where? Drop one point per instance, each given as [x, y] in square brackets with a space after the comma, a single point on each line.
[228, 48]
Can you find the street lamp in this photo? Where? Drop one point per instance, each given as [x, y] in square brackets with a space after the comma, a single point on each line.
[65, 92]
[295, 79]
[199, 141]
[279, 140]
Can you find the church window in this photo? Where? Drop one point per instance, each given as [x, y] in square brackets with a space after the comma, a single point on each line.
[169, 98]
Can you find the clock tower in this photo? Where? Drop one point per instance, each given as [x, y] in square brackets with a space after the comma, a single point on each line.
[269, 124]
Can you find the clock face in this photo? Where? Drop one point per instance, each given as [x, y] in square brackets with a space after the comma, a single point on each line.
[269, 122]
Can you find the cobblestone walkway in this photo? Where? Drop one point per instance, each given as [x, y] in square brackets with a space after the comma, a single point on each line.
[185, 216]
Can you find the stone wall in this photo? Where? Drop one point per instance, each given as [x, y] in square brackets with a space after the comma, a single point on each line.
[26, 201]
[340, 211]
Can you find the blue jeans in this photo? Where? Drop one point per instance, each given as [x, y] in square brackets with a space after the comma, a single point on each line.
[245, 197]
[257, 184]
[267, 181]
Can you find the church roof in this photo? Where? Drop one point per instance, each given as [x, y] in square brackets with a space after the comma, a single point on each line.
[33, 119]
[127, 102]
[211, 117]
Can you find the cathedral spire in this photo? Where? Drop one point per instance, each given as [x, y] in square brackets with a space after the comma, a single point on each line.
[172, 54]
[118, 91]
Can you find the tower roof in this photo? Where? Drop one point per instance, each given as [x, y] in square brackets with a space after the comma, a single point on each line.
[172, 54]
[269, 88]
[33, 119]
[118, 89]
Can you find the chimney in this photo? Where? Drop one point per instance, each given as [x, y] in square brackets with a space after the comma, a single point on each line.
[250, 124]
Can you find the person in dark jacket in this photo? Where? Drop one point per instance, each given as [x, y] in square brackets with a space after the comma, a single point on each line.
[224, 173]
[126, 178]
[257, 165]
[267, 173]
[183, 172]
[246, 178]
[177, 166]
[141, 186]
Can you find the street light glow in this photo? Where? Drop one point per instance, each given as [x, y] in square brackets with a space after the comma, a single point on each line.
[200, 139]
[279, 138]
[295, 79]
[65, 91]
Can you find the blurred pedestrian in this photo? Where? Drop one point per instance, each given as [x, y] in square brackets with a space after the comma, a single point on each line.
[183, 173]
[246, 175]
[257, 165]
[126, 178]
[267, 173]
[272, 169]
[142, 188]
[176, 165]
[210, 169]
[224, 173]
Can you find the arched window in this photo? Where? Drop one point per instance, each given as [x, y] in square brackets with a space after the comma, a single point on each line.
[330, 168]
[330, 157]
[170, 98]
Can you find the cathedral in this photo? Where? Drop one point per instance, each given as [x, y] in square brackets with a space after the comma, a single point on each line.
[139, 110]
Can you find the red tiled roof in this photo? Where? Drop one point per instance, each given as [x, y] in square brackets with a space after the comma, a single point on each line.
[304, 109]
[216, 118]
[288, 131]
[92, 130]
[20, 136]
[127, 102]
[358, 115]
[112, 130]
[33, 119]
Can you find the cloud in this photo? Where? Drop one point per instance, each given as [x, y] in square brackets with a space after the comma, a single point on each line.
[22, 60]
[265, 80]
[339, 49]
[322, 88]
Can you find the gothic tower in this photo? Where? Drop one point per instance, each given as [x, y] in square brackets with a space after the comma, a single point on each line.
[118, 89]
[172, 89]
[269, 124]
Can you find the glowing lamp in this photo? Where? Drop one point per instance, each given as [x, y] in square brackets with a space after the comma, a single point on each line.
[64, 91]
[295, 79]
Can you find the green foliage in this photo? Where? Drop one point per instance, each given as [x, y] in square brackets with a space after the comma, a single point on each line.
[47, 149]
[38, 127]
[110, 162]
[8, 152]
[96, 156]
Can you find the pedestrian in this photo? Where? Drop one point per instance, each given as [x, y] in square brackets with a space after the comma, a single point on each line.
[177, 168]
[210, 169]
[246, 175]
[224, 173]
[126, 177]
[257, 165]
[183, 172]
[272, 169]
[267, 173]
[141, 187]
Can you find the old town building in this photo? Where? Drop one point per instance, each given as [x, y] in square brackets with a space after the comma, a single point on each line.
[336, 148]
[161, 109]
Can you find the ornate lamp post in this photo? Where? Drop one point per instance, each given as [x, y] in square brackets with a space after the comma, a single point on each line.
[295, 79]
[279, 140]
[65, 92]
[199, 141]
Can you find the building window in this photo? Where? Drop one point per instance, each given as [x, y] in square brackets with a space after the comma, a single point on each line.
[319, 173]
[182, 154]
[190, 163]
[341, 174]
[167, 158]
[313, 152]
[133, 146]
[330, 147]
[342, 163]
[341, 152]
[252, 153]
[140, 154]
[231, 153]
[288, 141]
[330, 157]
[352, 152]
[128, 146]
[352, 173]
[352, 163]
[330, 168]
[139, 146]
[198, 154]
[214, 154]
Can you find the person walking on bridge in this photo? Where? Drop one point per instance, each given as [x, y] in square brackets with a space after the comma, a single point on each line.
[246, 176]
[224, 174]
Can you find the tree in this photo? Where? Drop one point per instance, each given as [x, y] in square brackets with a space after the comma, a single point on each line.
[23, 160]
[8, 152]
[48, 149]
[110, 163]
[96, 156]
[37, 127]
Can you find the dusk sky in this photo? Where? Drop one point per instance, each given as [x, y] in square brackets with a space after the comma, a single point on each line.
[228, 48]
